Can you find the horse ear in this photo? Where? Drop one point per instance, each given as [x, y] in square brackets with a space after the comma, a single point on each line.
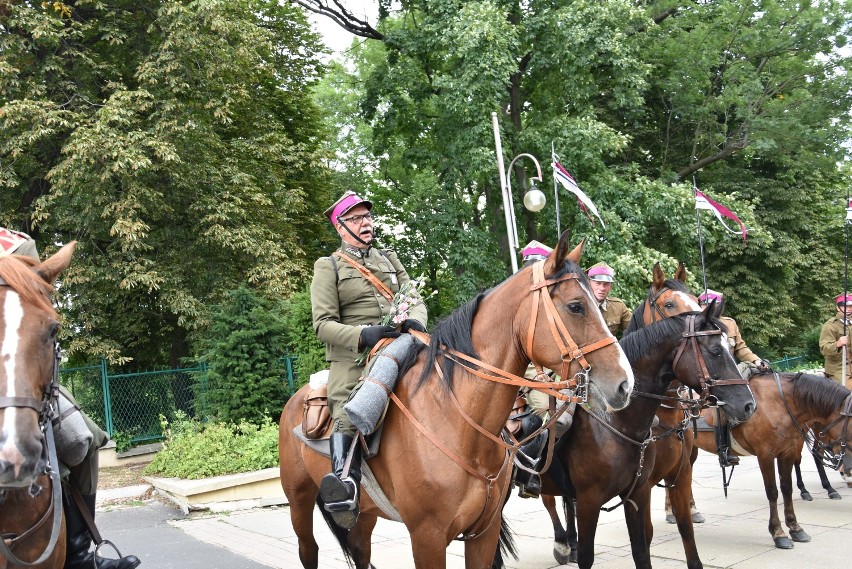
[50, 268]
[555, 259]
[577, 252]
[713, 310]
[680, 273]
[659, 277]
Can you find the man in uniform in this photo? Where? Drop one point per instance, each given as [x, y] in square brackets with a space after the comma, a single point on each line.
[747, 362]
[83, 469]
[832, 338]
[349, 298]
[615, 312]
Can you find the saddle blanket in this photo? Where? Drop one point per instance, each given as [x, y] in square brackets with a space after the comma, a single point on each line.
[368, 480]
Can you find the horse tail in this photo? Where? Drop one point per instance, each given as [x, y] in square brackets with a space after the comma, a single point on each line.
[507, 545]
[340, 534]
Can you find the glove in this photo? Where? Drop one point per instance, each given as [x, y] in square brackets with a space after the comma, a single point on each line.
[411, 324]
[763, 366]
[370, 335]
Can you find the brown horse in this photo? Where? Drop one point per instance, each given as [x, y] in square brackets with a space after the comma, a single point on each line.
[606, 456]
[789, 405]
[442, 465]
[31, 520]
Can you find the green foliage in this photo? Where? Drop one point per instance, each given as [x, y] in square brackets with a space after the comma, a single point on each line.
[243, 350]
[196, 450]
[300, 337]
[122, 441]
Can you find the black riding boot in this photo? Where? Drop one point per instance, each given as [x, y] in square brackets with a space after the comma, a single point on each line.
[530, 455]
[341, 494]
[79, 540]
[723, 441]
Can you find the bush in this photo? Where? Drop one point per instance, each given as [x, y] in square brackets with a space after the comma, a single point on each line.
[301, 339]
[196, 450]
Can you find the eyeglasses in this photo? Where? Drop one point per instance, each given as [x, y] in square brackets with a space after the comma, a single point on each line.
[356, 218]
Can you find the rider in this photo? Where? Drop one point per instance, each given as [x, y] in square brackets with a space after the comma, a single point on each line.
[83, 476]
[832, 339]
[615, 312]
[347, 307]
[748, 362]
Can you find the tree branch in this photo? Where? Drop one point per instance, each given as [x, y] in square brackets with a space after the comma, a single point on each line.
[338, 13]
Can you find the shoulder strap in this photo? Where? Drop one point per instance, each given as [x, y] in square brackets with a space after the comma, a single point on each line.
[380, 286]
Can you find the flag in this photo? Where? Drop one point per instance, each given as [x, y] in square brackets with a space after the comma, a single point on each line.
[563, 177]
[703, 202]
[849, 211]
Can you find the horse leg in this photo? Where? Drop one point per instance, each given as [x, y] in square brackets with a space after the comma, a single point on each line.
[479, 552]
[767, 470]
[670, 516]
[588, 513]
[302, 519]
[561, 550]
[800, 484]
[823, 478]
[681, 494]
[638, 520]
[785, 472]
[359, 540]
[569, 508]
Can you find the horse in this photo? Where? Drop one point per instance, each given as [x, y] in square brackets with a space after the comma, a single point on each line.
[31, 519]
[606, 456]
[790, 404]
[442, 464]
[823, 477]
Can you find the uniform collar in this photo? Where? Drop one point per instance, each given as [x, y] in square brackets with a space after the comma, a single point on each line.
[604, 305]
[356, 252]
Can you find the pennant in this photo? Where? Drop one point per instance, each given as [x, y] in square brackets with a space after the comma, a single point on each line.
[563, 177]
[703, 202]
[849, 211]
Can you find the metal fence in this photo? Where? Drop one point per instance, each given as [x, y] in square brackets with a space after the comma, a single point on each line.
[131, 403]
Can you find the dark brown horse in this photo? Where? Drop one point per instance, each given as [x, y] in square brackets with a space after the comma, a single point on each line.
[788, 405]
[604, 456]
[31, 520]
[442, 464]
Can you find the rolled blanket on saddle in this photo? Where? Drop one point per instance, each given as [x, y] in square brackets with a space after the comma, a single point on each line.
[367, 404]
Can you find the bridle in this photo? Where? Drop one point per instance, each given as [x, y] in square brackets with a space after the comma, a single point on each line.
[822, 450]
[48, 410]
[707, 382]
[651, 301]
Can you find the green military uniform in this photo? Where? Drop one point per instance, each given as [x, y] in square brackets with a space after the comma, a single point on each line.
[616, 315]
[830, 333]
[343, 301]
[741, 352]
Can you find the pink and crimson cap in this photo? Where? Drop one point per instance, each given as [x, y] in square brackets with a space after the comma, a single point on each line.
[709, 295]
[844, 299]
[535, 251]
[346, 202]
[601, 272]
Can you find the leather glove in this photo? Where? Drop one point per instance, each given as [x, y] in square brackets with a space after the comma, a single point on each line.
[370, 335]
[411, 324]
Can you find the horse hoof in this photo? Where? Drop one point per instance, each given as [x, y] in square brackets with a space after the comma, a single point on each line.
[783, 542]
[698, 518]
[562, 553]
[670, 519]
[800, 535]
[806, 496]
[835, 495]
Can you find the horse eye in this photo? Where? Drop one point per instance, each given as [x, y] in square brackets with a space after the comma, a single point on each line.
[54, 330]
[575, 308]
[669, 305]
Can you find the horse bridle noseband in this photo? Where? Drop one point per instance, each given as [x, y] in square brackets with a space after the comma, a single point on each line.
[690, 337]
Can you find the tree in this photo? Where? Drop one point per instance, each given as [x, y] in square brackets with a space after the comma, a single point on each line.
[244, 352]
[177, 142]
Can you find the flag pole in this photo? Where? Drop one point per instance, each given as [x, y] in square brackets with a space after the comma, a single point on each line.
[700, 235]
[555, 190]
[845, 284]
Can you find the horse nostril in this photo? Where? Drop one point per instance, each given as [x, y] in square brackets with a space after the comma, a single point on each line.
[750, 409]
[624, 389]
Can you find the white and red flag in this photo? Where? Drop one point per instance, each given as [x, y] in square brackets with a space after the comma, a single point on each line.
[563, 177]
[703, 202]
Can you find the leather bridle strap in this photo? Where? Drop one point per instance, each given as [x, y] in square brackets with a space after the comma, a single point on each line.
[690, 336]
[37, 404]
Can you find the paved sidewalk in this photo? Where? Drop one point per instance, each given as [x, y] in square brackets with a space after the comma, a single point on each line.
[734, 536]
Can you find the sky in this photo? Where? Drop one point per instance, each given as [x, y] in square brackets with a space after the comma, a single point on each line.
[333, 35]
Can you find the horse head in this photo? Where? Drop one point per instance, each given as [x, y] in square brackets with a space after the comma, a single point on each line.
[572, 337]
[706, 354]
[28, 328]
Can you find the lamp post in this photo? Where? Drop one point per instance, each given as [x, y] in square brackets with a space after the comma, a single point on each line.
[534, 199]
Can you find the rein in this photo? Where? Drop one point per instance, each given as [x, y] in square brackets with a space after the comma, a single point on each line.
[826, 456]
[48, 410]
[570, 353]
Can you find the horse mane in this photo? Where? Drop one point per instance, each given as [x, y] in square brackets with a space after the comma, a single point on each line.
[818, 394]
[17, 272]
[454, 331]
[636, 321]
[648, 338]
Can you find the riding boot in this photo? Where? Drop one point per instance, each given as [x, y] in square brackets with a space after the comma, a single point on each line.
[530, 456]
[339, 493]
[79, 539]
[723, 441]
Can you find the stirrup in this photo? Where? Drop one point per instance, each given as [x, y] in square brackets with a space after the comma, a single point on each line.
[340, 499]
[727, 458]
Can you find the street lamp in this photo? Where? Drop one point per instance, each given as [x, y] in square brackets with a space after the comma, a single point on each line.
[534, 199]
